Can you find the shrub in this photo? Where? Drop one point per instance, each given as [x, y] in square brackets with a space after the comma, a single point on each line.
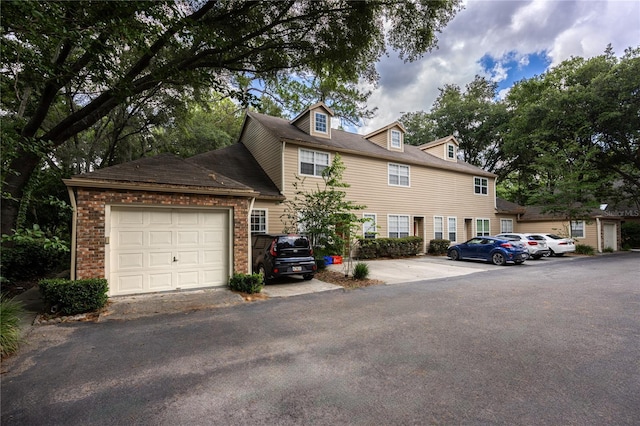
[608, 250]
[361, 271]
[246, 283]
[389, 247]
[630, 234]
[10, 313]
[438, 246]
[74, 297]
[585, 249]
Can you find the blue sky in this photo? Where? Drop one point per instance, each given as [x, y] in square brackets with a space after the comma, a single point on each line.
[505, 41]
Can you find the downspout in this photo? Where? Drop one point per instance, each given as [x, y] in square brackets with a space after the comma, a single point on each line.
[284, 145]
[74, 219]
[250, 255]
[598, 230]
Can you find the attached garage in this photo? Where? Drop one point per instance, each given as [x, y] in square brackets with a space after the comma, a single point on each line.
[159, 224]
[161, 249]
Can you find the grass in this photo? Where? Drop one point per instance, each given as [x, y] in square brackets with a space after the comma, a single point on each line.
[10, 313]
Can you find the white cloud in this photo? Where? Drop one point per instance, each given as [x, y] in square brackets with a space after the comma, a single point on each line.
[499, 28]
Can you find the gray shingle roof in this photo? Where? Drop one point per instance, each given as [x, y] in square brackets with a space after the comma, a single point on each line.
[164, 169]
[342, 141]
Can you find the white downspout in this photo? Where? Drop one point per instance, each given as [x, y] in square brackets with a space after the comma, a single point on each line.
[72, 198]
[598, 230]
[250, 256]
[284, 145]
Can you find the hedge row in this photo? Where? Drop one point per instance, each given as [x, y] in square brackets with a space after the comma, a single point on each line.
[438, 246]
[74, 297]
[389, 247]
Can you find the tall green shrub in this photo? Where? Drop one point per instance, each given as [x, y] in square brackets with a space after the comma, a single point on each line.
[630, 235]
[246, 283]
[372, 248]
[438, 246]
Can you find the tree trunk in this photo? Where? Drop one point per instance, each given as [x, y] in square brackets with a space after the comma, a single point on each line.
[21, 168]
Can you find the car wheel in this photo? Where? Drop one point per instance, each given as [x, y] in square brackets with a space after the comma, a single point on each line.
[536, 257]
[262, 272]
[558, 254]
[498, 259]
[454, 255]
[307, 277]
[552, 253]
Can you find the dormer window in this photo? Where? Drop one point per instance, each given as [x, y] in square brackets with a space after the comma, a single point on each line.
[320, 122]
[451, 151]
[396, 139]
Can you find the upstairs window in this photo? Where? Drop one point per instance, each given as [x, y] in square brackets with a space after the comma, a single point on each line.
[480, 186]
[451, 152]
[312, 163]
[321, 122]
[398, 175]
[396, 139]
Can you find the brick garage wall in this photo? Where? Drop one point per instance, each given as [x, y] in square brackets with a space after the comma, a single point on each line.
[90, 227]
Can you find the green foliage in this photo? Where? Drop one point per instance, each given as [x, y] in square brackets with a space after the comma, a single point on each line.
[323, 214]
[372, 248]
[585, 249]
[361, 271]
[246, 283]
[10, 313]
[630, 235]
[29, 253]
[608, 250]
[74, 297]
[438, 247]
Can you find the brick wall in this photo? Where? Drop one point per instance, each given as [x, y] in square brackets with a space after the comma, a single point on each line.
[90, 228]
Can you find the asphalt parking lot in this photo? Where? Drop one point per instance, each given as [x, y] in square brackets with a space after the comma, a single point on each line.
[546, 344]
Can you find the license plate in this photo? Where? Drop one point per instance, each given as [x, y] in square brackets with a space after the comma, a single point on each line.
[296, 268]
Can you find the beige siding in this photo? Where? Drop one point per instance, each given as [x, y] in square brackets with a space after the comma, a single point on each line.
[380, 139]
[312, 127]
[432, 192]
[265, 148]
[304, 123]
[563, 229]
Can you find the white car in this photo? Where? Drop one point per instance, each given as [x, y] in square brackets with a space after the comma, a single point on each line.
[558, 245]
[537, 245]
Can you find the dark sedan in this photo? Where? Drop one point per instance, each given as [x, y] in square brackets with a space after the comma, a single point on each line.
[491, 249]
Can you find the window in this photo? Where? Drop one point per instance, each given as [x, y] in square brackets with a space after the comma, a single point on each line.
[577, 228]
[506, 225]
[438, 227]
[480, 185]
[396, 140]
[398, 226]
[452, 228]
[451, 152]
[258, 221]
[369, 227]
[312, 163]
[398, 175]
[321, 122]
[482, 227]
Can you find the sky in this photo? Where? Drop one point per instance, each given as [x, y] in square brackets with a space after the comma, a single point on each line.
[505, 41]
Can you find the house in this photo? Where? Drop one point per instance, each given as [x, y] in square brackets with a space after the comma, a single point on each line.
[165, 223]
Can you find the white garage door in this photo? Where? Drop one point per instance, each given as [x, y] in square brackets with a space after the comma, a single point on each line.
[167, 249]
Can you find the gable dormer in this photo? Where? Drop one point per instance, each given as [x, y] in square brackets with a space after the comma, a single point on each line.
[445, 148]
[390, 137]
[315, 120]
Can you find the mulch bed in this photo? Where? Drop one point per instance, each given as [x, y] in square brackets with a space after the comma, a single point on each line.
[347, 282]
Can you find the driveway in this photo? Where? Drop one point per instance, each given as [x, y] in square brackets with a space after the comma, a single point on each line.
[507, 346]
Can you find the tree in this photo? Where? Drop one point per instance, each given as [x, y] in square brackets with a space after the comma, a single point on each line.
[420, 127]
[101, 54]
[323, 213]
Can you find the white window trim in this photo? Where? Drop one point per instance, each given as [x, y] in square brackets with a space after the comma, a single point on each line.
[398, 216]
[455, 229]
[266, 221]
[368, 225]
[441, 218]
[398, 184]
[476, 226]
[315, 122]
[314, 164]
[584, 228]
[482, 179]
[450, 145]
[391, 133]
[502, 230]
